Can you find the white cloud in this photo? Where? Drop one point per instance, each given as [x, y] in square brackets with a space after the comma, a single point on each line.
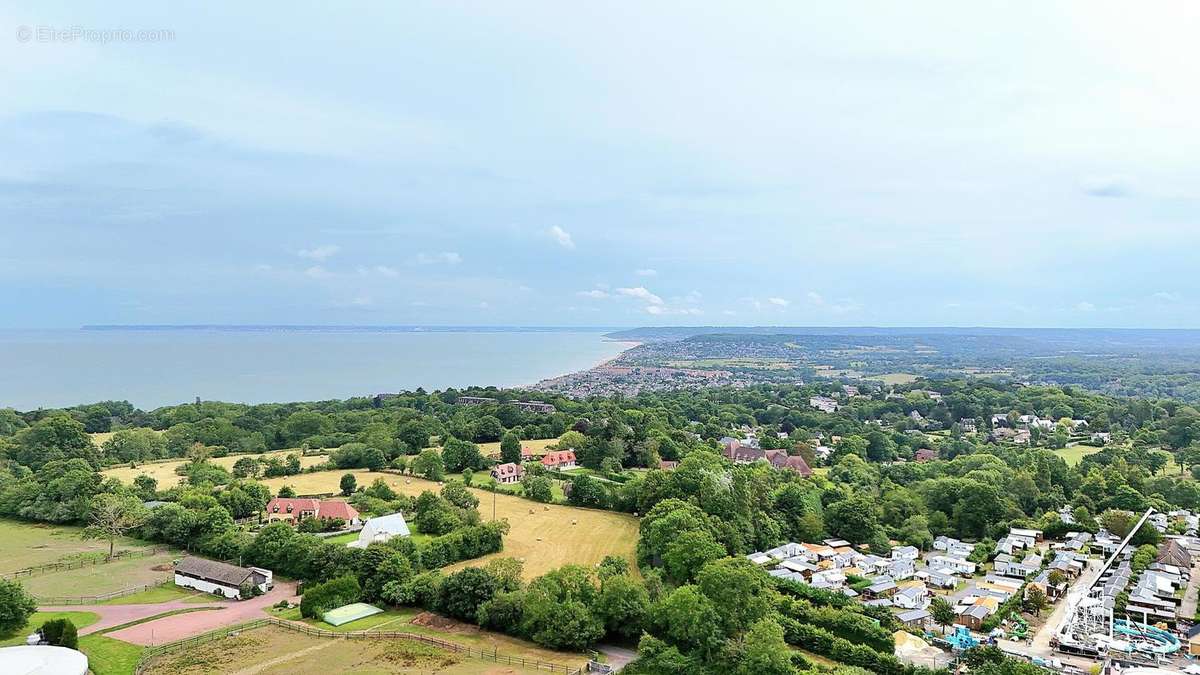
[815, 298]
[382, 270]
[778, 302]
[362, 301]
[640, 293]
[1085, 306]
[647, 272]
[595, 294]
[561, 236]
[443, 258]
[319, 252]
[1165, 296]
[659, 310]
[317, 272]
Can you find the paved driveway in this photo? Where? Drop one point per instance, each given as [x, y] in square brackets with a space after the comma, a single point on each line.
[166, 629]
[179, 626]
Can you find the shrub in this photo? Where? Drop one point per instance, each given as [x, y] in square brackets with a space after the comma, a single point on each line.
[320, 598]
[60, 633]
[15, 606]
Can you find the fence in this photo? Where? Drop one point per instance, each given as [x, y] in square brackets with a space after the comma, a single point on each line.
[482, 654]
[59, 600]
[83, 562]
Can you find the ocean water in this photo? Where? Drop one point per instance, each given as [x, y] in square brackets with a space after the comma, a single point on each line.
[152, 368]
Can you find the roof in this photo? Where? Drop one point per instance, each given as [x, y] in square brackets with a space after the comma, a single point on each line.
[43, 660]
[213, 570]
[1173, 552]
[337, 509]
[380, 528]
[508, 469]
[293, 505]
[913, 615]
[558, 457]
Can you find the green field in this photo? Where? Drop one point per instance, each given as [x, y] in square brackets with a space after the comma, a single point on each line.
[80, 619]
[1075, 454]
[107, 656]
[167, 592]
[93, 580]
[31, 544]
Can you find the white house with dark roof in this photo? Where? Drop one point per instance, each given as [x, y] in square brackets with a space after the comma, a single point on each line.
[219, 578]
[381, 529]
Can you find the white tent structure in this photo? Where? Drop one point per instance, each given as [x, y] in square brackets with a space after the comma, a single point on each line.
[381, 529]
[42, 660]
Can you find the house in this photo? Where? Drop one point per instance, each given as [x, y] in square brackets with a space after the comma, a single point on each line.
[905, 553]
[295, 509]
[925, 455]
[999, 420]
[912, 597]
[1101, 437]
[508, 473]
[793, 463]
[1173, 552]
[938, 579]
[380, 529]
[955, 565]
[902, 569]
[823, 403]
[1031, 536]
[881, 589]
[218, 578]
[967, 425]
[559, 460]
[973, 616]
[915, 618]
[667, 465]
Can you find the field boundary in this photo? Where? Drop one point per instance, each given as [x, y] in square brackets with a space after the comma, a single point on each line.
[63, 600]
[80, 563]
[482, 654]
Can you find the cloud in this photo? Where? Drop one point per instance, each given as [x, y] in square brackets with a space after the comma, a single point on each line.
[595, 294]
[815, 298]
[647, 272]
[1165, 296]
[561, 236]
[382, 270]
[1108, 186]
[1084, 306]
[317, 272]
[443, 258]
[658, 310]
[319, 252]
[362, 301]
[640, 293]
[778, 302]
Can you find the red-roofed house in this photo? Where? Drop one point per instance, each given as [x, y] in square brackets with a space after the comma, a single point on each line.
[794, 463]
[295, 509]
[508, 473]
[925, 455]
[559, 459]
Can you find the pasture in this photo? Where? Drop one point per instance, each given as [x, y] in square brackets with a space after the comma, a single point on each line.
[164, 472]
[103, 578]
[32, 544]
[277, 651]
[1074, 454]
[545, 536]
[538, 447]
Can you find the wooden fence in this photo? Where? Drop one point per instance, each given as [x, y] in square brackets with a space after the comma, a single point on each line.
[80, 563]
[59, 600]
[483, 654]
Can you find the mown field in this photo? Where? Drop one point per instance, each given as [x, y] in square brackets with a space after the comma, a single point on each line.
[1075, 454]
[103, 578]
[546, 536]
[164, 472]
[27, 545]
[276, 651]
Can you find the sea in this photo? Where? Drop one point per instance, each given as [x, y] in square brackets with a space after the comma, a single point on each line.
[154, 366]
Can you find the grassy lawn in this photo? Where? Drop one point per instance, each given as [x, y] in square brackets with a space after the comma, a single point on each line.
[276, 651]
[164, 472]
[543, 535]
[108, 656]
[895, 378]
[164, 593]
[344, 538]
[538, 447]
[80, 619]
[31, 544]
[1075, 454]
[105, 578]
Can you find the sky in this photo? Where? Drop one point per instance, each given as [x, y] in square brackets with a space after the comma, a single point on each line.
[601, 164]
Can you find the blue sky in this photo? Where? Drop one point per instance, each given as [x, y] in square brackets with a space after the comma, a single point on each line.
[1024, 164]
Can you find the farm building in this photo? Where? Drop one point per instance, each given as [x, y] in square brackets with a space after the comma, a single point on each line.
[220, 578]
[40, 659]
[381, 529]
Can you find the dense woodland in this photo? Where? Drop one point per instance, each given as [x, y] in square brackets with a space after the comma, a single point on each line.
[695, 604]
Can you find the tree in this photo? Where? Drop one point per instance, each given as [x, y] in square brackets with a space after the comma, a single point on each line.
[764, 651]
[942, 612]
[112, 515]
[689, 552]
[429, 464]
[60, 633]
[247, 467]
[15, 606]
[687, 618]
[463, 592]
[458, 455]
[622, 606]
[347, 484]
[538, 488]
[510, 448]
[1035, 600]
[287, 492]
